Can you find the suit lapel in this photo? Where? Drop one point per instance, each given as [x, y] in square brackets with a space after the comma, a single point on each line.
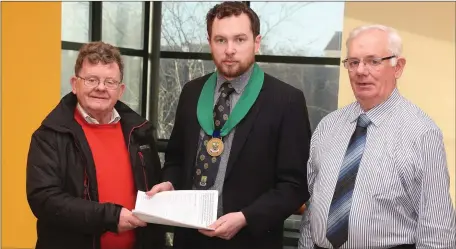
[193, 130]
[242, 131]
[193, 136]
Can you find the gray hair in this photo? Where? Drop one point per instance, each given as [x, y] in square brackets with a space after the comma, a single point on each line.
[394, 40]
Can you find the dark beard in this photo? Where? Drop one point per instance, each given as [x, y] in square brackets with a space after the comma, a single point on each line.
[231, 72]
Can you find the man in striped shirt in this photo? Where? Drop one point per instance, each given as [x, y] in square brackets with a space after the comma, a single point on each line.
[377, 171]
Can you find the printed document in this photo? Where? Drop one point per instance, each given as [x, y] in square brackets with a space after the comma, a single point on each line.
[182, 208]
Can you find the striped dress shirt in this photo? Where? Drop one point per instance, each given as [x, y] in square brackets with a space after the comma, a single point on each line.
[401, 195]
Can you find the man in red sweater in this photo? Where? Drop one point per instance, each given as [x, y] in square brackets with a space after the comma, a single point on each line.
[89, 158]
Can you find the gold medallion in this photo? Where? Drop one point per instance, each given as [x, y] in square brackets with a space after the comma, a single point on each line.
[215, 146]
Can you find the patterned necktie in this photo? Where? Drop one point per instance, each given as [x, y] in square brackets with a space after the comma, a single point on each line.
[339, 212]
[207, 165]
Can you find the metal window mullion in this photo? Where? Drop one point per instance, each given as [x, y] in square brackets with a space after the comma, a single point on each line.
[155, 56]
[145, 56]
[300, 60]
[74, 46]
[95, 20]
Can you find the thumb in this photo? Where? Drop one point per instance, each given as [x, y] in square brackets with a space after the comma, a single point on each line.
[155, 189]
[217, 223]
[164, 186]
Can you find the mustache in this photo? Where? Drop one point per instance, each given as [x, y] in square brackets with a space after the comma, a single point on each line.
[229, 59]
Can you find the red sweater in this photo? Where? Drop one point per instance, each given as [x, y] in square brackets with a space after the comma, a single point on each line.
[114, 174]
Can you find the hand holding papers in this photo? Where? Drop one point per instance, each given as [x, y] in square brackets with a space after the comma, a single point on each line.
[182, 208]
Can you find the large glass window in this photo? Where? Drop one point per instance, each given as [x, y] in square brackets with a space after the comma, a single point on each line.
[133, 82]
[300, 28]
[123, 24]
[174, 73]
[320, 85]
[75, 21]
[184, 26]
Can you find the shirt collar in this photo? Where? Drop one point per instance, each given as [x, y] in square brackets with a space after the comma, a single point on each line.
[238, 83]
[114, 119]
[379, 112]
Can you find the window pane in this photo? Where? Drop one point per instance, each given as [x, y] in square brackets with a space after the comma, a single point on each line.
[123, 24]
[174, 74]
[68, 60]
[133, 82]
[300, 28]
[184, 26]
[320, 85]
[75, 21]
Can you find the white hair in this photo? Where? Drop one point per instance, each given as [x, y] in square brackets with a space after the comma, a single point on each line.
[394, 40]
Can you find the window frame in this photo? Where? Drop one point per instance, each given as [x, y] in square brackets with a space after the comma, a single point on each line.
[282, 59]
[152, 53]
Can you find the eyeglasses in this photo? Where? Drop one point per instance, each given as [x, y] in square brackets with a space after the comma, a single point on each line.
[94, 81]
[370, 62]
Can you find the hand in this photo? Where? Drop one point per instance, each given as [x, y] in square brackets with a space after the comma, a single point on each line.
[127, 221]
[226, 226]
[164, 186]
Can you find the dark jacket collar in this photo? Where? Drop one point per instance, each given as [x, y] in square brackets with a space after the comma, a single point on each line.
[61, 118]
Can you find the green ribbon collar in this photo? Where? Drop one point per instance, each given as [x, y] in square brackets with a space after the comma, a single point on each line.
[248, 98]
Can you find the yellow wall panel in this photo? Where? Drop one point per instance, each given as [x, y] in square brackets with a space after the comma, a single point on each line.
[30, 89]
[428, 33]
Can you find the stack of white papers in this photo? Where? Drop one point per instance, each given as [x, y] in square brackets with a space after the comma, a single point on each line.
[182, 208]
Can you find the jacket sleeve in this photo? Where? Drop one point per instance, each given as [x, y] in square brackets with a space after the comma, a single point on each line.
[47, 200]
[290, 191]
[174, 156]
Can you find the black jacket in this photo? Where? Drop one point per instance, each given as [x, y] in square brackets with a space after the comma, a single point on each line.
[266, 173]
[62, 186]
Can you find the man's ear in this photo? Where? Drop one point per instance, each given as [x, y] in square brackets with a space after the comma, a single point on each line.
[257, 44]
[399, 68]
[121, 90]
[73, 82]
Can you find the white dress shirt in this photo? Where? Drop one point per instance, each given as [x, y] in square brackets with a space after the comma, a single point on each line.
[114, 119]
